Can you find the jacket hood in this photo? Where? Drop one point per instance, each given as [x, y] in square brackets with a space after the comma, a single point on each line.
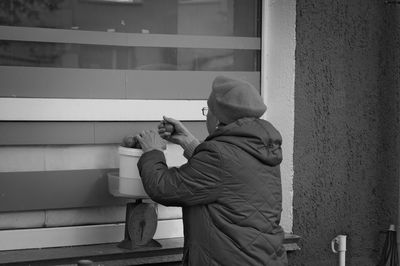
[256, 136]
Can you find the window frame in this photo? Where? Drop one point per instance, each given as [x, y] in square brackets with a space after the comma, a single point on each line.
[277, 89]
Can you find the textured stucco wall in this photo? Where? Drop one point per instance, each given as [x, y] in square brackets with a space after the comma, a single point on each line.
[346, 128]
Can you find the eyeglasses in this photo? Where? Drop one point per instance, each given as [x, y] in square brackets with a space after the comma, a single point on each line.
[204, 110]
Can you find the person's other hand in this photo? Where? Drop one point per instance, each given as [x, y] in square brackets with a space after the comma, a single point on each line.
[174, 131]
[150, 140]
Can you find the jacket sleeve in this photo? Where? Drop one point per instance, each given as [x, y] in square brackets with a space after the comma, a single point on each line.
[196, 182]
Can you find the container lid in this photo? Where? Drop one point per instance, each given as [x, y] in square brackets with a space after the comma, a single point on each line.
[129, 151]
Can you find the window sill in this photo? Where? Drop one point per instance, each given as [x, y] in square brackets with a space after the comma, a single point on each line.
[110, 254]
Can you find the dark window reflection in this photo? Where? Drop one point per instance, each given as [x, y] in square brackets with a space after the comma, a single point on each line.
[192, 17]
[37, 54]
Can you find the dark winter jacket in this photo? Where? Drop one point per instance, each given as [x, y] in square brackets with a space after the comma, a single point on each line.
[230, 191]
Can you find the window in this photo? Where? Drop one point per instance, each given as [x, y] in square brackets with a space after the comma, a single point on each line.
[78, 75]
[126, 49]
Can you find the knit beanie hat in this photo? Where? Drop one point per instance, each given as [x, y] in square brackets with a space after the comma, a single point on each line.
[231, 99]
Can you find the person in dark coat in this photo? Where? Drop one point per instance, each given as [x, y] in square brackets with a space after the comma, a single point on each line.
[230, 188]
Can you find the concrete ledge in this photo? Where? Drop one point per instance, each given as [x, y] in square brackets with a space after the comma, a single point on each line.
[110, 254]
[104, 254]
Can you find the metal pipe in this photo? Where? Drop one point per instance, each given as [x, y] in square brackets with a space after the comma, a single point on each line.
[398, 225]
[340, 240]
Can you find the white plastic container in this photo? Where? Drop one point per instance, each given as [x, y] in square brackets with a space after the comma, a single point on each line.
[126, 187]
[128, 159]
[127, 183]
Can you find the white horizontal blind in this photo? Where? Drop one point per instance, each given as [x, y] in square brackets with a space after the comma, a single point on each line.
[127, 39]
[12, 109]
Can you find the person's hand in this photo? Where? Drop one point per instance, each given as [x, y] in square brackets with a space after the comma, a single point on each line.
[174, 131]
[150, 140]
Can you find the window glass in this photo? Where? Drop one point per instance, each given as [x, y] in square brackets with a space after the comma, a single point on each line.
[39, 54]
[189, 17]
[74, 41]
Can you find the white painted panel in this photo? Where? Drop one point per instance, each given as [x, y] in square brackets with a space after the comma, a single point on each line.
[174, 155]
[85, 216]
[15, 159]
[169, 229]
[56, 158]
[75, 217]
[126, 39]
[18, 220]
[41, 109]
[278, 75]
[74, 157]
[70, 157]
[78, 235]
[166, 213]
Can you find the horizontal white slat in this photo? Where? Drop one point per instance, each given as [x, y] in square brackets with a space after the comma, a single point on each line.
[79, 235]
[57, 158]
[76, 217]
[168, 213]
[40, 109]
[18, 220]
[44, 82]
[70, 157]
[127, 39]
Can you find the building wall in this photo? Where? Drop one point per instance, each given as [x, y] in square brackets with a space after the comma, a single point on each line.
[278, 44]
[346, 152]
